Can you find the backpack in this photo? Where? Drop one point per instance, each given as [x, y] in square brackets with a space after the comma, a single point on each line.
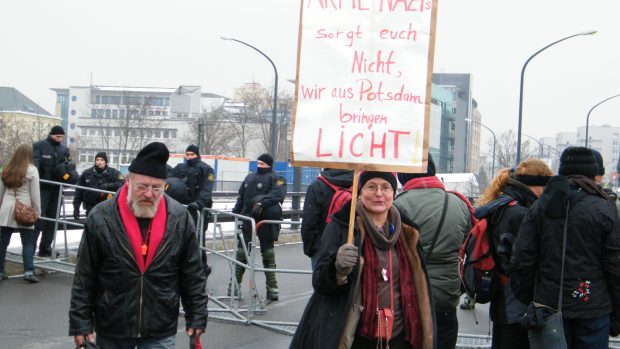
[341, 196]
[477, 270]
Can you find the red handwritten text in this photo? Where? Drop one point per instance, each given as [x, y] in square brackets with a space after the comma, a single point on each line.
[353, 145]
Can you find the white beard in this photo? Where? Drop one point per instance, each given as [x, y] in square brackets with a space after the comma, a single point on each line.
[141, 211]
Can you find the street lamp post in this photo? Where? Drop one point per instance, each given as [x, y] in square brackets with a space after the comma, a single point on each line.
[272, 145]
[590, 32]
[540, 145]
[494, 144]
[591, 109]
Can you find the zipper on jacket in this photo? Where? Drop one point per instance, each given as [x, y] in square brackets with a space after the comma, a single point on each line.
[140, 310]
[166, 241]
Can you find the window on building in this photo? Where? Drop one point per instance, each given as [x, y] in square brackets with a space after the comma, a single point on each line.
[157, 134]
[164, 113]
[133, 100]
[166, 134]
[93, 113]
[91, 132]
[173, 133]
[83, 131]
[108, 113]
[157, 112]
[122, 113]
[115, 113]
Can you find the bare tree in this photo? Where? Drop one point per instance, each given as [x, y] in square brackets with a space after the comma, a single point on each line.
[16, 130]
[506, 149]
[214, 132]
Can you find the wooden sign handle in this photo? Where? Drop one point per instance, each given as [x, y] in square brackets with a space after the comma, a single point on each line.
[356, 179]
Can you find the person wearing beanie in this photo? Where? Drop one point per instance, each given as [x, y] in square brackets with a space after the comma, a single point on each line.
[191, 183]
[317, 206]
[100, 176]
[392, 280]
[260, 196]
[572, 213]
[136, 247]
[444, 219]
[51, 158]
[578, 161]
[57, 131]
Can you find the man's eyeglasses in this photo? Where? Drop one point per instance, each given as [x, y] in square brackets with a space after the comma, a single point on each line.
[387, 189]
[143, 188]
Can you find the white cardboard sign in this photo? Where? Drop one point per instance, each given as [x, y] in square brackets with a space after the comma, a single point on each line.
[364, 74]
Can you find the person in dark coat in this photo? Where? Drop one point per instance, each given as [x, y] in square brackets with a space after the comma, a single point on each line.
[100, 176]
[261, 196]
[591, 286]
[48, 156]
[349, 294]
[504, 205]
[316, 208]
[138, 261]
[198, 177]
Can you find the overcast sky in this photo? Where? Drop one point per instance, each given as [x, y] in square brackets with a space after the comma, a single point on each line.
[47, 43]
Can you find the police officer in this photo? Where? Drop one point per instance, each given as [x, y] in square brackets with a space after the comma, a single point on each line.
[100, 176]
[261, 196]
[198, 178]
[49, 156]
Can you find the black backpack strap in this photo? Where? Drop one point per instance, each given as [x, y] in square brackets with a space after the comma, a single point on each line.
[441, 220]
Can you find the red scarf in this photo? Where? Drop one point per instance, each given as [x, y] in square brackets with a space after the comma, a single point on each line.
[158, 226]
[434, 182]
[408, 300]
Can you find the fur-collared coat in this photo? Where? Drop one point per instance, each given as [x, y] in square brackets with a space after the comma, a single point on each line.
[333, 312]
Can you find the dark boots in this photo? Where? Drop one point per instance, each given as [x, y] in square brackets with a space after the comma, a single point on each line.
[269, 262]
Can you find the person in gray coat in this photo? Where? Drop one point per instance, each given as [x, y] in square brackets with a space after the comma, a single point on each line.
[423, 202]
[20, 180]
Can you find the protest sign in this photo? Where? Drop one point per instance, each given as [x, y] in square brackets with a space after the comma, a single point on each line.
[363, 90]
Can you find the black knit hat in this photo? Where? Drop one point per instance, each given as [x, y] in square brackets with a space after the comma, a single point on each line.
[430, 171]
[102, 155]
[266, 158]
[57, 130]
[599, 161]
[578, 161]
[151, 161]
[192, 149]
[368, 175]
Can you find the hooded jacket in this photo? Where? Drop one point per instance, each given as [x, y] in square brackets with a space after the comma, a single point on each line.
[332, 313]
[316, 207]
[592, 263]
[112, 295]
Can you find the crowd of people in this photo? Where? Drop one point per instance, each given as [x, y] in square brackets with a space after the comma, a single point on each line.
[385, 266]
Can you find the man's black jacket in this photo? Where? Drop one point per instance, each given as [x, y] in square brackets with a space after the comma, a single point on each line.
[198, 177]
[46, 155]
[108, 179]
[112, 295]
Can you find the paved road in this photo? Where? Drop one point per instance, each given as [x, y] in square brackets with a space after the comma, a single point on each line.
[35, 316]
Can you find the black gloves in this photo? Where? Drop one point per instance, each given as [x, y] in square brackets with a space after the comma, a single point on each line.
[256, 211]
[193, 207]
[346, 259]
[76, 213]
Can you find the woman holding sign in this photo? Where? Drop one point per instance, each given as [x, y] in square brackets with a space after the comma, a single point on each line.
[373, 292]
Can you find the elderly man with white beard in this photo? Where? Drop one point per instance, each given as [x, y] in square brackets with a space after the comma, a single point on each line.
[137, 260]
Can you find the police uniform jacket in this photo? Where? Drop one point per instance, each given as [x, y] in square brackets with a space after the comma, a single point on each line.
[198, 177]
[109, 179]
[46, 155]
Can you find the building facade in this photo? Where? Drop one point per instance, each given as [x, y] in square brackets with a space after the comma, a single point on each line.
[120, 120]
[466, 152]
